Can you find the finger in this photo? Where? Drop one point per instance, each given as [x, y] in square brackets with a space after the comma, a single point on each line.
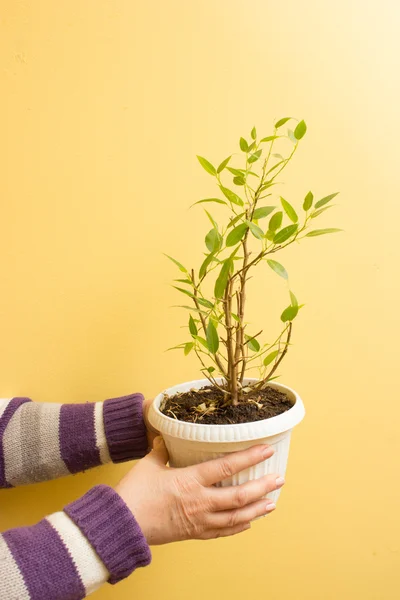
[159, 454]
[227, 531]
[237, 496]
[216, 470]
[233, 518]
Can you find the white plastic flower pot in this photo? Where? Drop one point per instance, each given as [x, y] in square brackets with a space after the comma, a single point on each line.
[193, 443]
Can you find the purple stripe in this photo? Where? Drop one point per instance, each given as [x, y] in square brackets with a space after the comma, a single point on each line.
[78, 437]
[113, 531]
[125, 428]
[12, 407]
[45, 563]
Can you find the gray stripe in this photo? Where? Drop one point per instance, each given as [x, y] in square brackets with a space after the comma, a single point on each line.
[49, 437]
[12, 448]
[31, 445]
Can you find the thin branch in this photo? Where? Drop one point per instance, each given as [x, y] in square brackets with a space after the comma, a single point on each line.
[261, 384]
[209, 376]
[203, 322]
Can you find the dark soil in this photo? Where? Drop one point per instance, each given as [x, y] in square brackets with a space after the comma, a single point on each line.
[208, 406]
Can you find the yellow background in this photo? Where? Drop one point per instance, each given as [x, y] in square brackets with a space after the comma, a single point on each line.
[103, 106]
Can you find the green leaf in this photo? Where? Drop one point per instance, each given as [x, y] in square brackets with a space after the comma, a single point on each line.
[212, 338]
[278, 268]
[188, 348]
[250, 148]
[267, 185]
[184, 291]
[192, 326]
[270, 358]
[255, 156]
[205, 264]
[285, 233]
[212, 221]
[223, 164]
[278, 156]
[275, 221]
[236, 219]
[243, 145]
[232, 197]
[252, 343]
[236, 234]
[179, 347]
[218, 200]
[222, 278]
[178, 264]
[201, 340]
[308, 200]
[289, 210]
[270, 235]
[270, 138]
[255, 230]
[291, 136]
[253, 133]
[239, 180]
[322, 231]
[289, 313]
[278, 164]
[215, 322]
[263, 211]
[236, 172]
[300, 130]
[294, 300]
[235, 317]
[325, 200]
[207, 166]
[205, 303]
[282, 122]
[188, 281]
[213, 240]
[316, 213]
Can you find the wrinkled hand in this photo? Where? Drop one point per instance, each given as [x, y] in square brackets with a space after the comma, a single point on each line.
[151, 432]
[180, 504]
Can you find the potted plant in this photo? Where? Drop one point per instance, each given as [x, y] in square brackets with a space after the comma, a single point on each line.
[227, 410]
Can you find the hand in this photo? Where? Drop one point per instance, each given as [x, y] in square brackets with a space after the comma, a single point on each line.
[180, 504]
[151, 432]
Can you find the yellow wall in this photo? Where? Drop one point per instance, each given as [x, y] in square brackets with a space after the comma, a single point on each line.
[103, 106]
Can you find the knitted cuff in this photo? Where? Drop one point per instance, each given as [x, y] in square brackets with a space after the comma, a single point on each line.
[125, 428]
[106, 521]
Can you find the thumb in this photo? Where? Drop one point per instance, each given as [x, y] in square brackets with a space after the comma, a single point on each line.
[159, 454]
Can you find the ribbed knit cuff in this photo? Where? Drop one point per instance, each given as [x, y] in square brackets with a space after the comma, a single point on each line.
[106, 521]
[125, 428]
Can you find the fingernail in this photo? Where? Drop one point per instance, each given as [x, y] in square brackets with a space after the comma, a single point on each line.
[279, 482]
[266, 453]
[270, 507]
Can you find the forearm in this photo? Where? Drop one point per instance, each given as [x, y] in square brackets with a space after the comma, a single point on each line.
[45, 441]
[70, 554]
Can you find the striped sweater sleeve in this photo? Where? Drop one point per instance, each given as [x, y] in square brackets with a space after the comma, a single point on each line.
[69, 554]
[41, 441]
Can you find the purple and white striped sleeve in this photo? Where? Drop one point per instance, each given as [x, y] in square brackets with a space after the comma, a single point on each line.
[69, 554]
[41, 441]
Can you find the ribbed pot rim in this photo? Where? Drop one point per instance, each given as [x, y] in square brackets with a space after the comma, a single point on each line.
[201, 432]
